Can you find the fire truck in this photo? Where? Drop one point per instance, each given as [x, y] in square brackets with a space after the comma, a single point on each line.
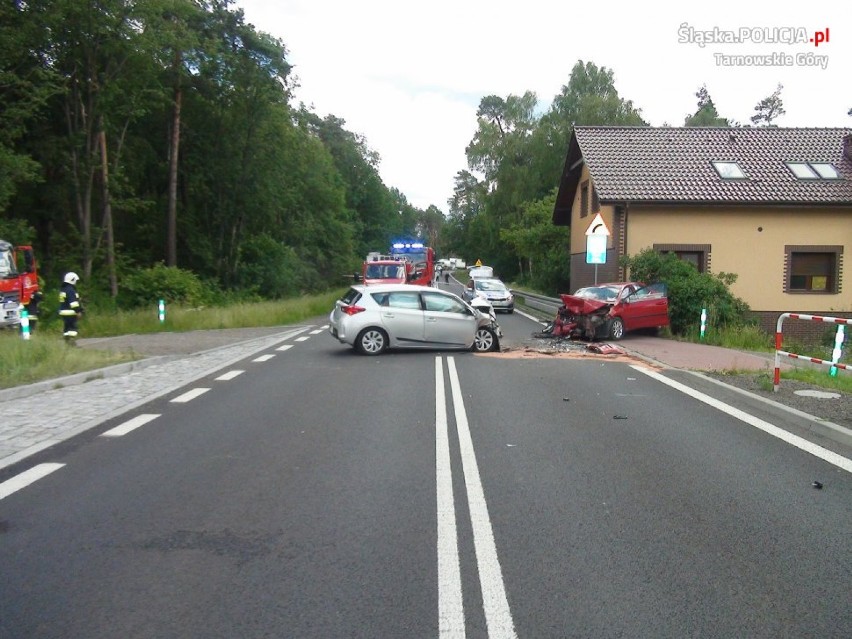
[385, 269]
[18, 282]
[421, 260]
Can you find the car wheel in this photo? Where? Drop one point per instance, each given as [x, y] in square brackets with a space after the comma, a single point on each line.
[484, 341]
[371, 341]
[616, 328]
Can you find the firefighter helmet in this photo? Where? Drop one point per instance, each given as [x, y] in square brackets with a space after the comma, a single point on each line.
[71, 278]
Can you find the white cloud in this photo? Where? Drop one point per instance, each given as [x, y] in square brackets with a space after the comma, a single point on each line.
[408, 77]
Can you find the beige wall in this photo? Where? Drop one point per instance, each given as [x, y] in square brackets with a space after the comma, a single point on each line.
[579, 225]
[751, 244]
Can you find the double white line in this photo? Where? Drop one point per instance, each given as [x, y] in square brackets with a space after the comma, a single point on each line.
[451, 621]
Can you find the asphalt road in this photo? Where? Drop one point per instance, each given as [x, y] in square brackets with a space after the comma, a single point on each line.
[319, 493]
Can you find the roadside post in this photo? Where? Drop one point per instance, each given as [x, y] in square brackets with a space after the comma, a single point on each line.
[596, 240]
[25, 324]
[703, 321]
[838, 349]
[162, 311]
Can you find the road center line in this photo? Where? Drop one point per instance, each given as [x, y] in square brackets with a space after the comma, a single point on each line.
[264, 358]
[26, 478]
[129, 425]
[498, 617]
[799, 442]
[285, 347]
[304, 338]
[450, 602]
[189, 395]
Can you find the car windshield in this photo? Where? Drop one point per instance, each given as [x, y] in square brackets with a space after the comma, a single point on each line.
[489, 285]
[600, 293]
[385, 271]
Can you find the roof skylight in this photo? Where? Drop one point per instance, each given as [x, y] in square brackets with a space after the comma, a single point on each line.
[728, 170]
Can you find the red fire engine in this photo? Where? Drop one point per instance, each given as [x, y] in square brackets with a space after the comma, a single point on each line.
[18, 281]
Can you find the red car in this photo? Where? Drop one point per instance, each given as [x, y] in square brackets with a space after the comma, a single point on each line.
[607, 311]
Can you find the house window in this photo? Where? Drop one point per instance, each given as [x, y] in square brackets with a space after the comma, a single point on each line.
[813, 269]
[696, 254]
[729, 170]
[584, 199]
[813, 170]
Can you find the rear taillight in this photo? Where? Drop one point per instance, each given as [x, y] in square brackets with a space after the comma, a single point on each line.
[351, 309]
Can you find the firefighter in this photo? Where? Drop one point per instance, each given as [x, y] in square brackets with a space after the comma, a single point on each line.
[70, 307]
[32, 309]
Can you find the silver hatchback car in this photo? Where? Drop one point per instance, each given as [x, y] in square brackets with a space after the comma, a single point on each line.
[373, 319]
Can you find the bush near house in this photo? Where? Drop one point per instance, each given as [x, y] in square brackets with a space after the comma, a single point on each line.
[689, 291]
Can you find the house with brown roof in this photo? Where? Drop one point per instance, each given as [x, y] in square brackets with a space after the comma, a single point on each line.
[772, 205]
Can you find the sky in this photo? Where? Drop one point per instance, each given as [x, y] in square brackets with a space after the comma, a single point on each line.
[409, 76]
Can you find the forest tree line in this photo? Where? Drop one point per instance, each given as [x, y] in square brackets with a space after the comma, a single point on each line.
[164, 132]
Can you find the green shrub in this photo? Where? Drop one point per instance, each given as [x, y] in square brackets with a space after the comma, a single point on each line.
[146, 287]
[689, 291]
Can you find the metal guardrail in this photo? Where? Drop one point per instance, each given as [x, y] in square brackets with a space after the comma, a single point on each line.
[538, 302]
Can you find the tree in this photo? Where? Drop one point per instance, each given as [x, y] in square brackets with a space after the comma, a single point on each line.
[706, 115]
[769, 108]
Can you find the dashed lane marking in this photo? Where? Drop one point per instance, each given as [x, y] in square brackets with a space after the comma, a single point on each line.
[189, 395]
[227, 377]
[286, 347]
[130, 425]
[264, 358]
[26, 478]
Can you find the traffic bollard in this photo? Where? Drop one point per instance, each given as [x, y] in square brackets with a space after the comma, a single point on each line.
[25, 324]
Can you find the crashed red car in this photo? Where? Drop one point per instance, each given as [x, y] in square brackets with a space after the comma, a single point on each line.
[607, 311]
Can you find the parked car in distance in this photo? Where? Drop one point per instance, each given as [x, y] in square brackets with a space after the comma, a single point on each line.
[608, 311]
[492, 289]
[375, 318]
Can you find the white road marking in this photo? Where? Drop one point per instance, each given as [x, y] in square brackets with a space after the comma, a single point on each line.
[285, 347]
[304, 338]
[324, 328]
[264, 358]
[227, 377]
[498, 618]
[129, 425]
[190, 395]
[317, 332]
[450, 602]
[799, 442]
[26, 478]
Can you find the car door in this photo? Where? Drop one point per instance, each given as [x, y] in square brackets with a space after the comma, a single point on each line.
[449, 323]
[647, 307]
[402, 317]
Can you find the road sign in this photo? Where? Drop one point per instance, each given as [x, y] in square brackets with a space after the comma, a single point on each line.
[598, 227]
[596, 249]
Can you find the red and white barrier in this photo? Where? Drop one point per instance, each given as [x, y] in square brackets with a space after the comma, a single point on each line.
[778, 341]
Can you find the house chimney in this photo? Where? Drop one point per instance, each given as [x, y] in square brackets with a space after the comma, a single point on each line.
[847, 146]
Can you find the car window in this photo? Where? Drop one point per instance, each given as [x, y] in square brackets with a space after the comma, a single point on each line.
[381, 298]
[352, 296]
[491, 285]
[400, 299]
[600, 293]
[443, 303]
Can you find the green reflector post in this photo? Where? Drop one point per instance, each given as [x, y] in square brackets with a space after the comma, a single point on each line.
[162, 308]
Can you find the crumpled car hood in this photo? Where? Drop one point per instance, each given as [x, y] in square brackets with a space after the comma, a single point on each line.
[583, 306]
